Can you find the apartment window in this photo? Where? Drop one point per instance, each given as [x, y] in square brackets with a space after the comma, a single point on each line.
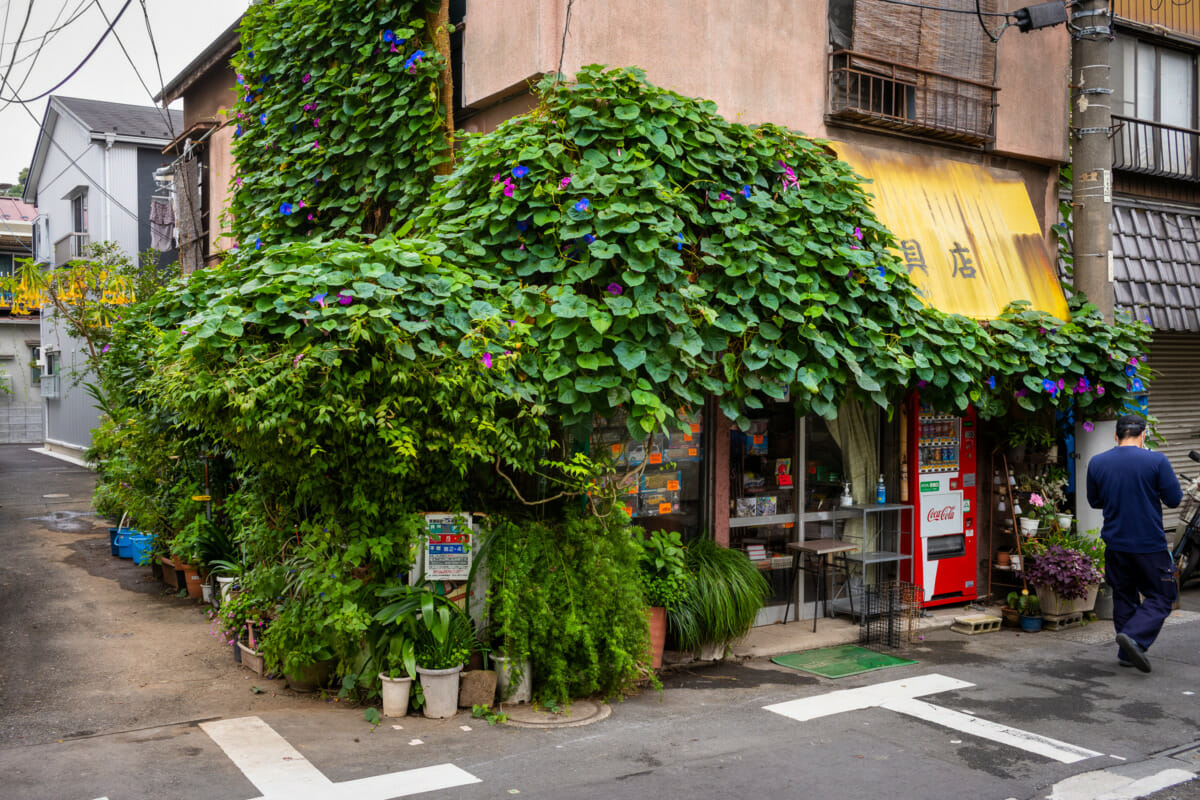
[913, 68]
[35, 369]
[6, 264]
[79, 210]
[1154, 100]
[50, 377]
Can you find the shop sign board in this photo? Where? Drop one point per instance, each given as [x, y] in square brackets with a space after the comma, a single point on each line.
[447, 547]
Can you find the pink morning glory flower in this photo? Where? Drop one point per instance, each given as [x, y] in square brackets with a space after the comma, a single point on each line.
[487, 360]
[345, 299]
[615, 289]
[1089, 427]
[307, 77]
[565, 182]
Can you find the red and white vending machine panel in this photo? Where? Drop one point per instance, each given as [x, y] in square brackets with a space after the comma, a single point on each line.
[942, 486]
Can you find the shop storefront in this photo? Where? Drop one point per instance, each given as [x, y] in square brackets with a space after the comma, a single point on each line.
[899, 484]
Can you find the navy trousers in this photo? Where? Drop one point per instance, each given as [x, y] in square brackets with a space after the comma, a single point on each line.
[1144, 590]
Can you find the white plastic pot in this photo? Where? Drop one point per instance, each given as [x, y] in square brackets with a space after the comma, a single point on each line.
[440, 687]
[523, 691]
[395, 695]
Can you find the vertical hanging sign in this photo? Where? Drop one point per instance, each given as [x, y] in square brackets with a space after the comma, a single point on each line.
[447, 547]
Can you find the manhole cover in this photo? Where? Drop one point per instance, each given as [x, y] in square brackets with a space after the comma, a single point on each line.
[583, 712]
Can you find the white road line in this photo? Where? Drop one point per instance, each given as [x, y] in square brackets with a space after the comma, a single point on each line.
[901, 696]
[1003, 734]
[866, 697]
[280, 772]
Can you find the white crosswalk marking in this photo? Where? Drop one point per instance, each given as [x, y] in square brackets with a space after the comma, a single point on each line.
[901, 696]
[280, 772]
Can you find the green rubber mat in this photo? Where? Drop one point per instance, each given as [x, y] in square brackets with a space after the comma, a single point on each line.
[840, 661]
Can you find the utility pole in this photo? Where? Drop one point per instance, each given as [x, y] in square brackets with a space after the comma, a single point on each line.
[1092, 152]
[1091, 200]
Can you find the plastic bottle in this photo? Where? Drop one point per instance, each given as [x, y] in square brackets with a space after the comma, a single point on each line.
[880, 491]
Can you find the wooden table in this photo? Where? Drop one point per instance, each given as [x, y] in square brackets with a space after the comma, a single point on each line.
[815, 551]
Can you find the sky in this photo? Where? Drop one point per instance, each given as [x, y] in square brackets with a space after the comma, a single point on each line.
[45, 56]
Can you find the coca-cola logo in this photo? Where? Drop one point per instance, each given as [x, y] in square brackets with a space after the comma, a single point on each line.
[940, 514]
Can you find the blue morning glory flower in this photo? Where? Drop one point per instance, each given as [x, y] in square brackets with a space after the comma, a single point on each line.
[679, 244]
[1050, 386]
[589, 238]
[582, 205]
[258, 244]
[746, 192]
[523, 225]
[237, 131]
[520, 171]
[991, 381]
[389, 36]
[262, 118]
[285, 209]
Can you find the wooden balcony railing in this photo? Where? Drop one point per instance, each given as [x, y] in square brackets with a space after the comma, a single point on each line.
[905, 98]
[69, 247]
[1152, 148]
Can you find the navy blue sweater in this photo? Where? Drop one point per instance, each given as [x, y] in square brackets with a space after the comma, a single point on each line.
[1128, 483]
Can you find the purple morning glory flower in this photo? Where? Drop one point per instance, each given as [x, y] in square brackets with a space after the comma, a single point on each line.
[105, 350]
[520, 171]
[487, 360]
[307, 77]
[345, 299]
[1089, 427]
[858, 233]
[1100, 390]
[565, 182]
[285, 208]
[582, 205]
[615, 289]
[723, 196]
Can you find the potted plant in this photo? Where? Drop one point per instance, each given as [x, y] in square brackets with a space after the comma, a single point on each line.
[665, 584]
[1066, 581]
[727, 593]
[1011, 611]
[442, 643]
[1030, 610]
[399, 670]
[1028, 436]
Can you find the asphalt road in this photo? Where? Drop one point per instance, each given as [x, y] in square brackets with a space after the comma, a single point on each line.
[112, 688]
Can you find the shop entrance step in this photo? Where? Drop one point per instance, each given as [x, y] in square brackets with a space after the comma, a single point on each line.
[976, 623]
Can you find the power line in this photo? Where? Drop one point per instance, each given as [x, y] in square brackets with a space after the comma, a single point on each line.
[166, 115]
[20, 36]
[73, 72]
[947, 10]
[162, 85]
[47, 37]
[76, 14]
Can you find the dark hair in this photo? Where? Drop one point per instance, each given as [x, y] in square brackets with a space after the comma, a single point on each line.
[1129, 426]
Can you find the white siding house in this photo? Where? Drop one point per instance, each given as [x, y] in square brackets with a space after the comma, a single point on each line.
[92, 180]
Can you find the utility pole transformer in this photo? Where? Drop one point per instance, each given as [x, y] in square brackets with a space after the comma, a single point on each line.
[1092, 152]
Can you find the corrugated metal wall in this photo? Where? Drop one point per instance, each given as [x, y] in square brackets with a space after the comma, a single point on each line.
[1179, 17]
[1174, 400]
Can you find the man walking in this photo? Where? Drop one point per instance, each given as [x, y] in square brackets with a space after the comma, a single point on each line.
[1128, 482]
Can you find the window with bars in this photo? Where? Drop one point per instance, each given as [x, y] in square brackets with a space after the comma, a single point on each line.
[928, 70]
[1154, 107]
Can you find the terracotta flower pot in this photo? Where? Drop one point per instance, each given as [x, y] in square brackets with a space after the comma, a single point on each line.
[658, 635]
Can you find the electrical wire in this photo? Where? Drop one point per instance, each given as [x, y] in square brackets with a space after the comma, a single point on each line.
[947, 10]
[162, 84]
[73, 73]
[76, 14]
[166, 115]
[20, 36]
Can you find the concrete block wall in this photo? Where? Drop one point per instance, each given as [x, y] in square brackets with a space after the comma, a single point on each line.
[21, 423]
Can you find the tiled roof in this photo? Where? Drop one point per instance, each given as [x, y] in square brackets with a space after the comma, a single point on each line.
[12, 208]
[1156, 266]
[123, 119]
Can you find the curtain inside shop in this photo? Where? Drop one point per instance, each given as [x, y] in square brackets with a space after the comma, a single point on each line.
[856, 431]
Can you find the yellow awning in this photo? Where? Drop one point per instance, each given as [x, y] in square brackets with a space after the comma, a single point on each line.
[968, 234]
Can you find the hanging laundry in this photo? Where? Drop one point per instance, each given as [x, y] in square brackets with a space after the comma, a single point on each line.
[162, 224]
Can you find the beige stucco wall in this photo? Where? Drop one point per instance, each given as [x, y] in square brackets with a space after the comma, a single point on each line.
[209, 96]
[221, 169]
[759, 60]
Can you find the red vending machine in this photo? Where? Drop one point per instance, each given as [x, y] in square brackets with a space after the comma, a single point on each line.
[941, 475]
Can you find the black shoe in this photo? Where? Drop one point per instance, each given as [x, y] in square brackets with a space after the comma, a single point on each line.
[1133, 652]
[1122, 662]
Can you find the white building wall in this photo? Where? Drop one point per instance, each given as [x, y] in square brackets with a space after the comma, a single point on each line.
[123, 186]
[21, 414]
